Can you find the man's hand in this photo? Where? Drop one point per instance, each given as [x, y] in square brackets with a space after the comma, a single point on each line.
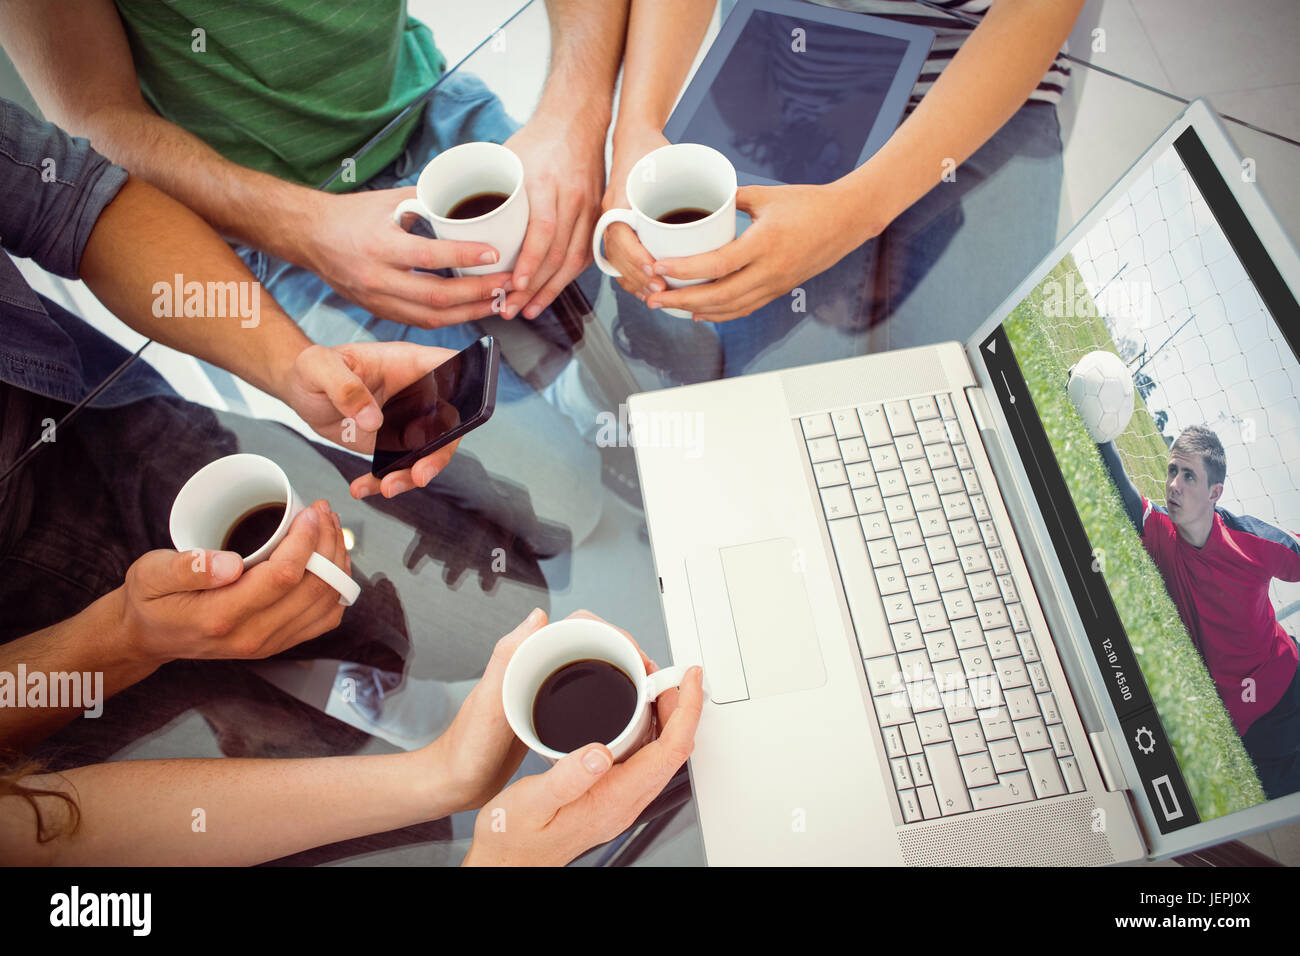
[203, 604]
[354, 245]
[622, 247]
[564, 172]
[797, 232]
[339, 392]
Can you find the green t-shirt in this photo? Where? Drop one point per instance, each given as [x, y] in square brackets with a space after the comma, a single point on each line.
[291, 88]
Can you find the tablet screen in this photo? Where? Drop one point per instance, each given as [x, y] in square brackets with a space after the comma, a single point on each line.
[796, 99]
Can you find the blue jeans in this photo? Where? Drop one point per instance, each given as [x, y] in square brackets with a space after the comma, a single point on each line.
[527, 469]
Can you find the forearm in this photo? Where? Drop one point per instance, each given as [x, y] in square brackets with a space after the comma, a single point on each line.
[1128, 493]
[586, 46]
[76, 60]
[92, 644]
[990, 78]
[142, 242]
[240, 203]
[663, 37]
[229, 812]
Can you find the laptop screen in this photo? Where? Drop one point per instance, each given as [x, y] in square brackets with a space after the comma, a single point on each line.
[796, 98]
[1152, 387]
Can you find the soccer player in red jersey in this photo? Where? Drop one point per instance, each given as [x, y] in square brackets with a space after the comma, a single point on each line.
[1217, 567]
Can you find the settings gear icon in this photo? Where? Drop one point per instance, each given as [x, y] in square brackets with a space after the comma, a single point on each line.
[1150, 746]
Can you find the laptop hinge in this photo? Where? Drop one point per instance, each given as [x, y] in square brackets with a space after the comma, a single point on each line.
[979, 407]
[1102, 748]
[1107, 762]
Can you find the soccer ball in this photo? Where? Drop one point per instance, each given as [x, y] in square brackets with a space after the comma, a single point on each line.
[1101, 389]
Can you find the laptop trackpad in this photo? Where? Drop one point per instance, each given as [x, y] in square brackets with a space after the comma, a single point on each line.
[761, 629]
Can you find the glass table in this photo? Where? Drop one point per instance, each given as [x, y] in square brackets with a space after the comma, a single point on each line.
[442, 583]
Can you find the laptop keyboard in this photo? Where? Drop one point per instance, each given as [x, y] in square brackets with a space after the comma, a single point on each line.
[966, 712]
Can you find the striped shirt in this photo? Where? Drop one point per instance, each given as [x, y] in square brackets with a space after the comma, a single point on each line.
[950, 33]
[292, 88]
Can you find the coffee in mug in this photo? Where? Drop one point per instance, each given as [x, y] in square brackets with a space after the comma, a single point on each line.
[254, 528]
[581, 681]
[474, 192]
[683, 199]
[585, 701]
[244, 503]
[480, 204]
[679, 216]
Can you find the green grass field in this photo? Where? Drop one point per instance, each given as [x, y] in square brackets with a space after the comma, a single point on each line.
[1218, 771]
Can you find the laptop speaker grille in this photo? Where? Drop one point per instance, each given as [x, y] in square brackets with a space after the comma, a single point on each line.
[1052, 833]
[841, 384]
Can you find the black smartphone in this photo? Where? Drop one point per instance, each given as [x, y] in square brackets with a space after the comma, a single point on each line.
[455, 398]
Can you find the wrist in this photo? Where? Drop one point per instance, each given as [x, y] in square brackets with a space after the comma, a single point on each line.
[580, 114]
[435, 790]
[123, 638]
[282, 365]
[300, 242]
[631, 131]
[866, 205]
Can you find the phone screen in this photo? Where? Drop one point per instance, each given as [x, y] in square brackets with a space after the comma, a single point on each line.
[455, 397]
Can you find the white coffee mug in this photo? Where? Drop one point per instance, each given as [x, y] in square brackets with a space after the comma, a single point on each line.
[468, 170]
[222, 492]
[677, 176]
[576, 639]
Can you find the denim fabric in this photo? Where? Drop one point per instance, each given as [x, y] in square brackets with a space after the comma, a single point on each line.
[75, 518]
[54, 188]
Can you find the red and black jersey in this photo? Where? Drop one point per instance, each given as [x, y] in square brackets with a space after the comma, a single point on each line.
[1221, 591]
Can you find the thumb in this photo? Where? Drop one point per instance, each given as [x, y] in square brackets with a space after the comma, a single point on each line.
[530, 625]
[330, 370]
[506, 647]
[167, 572]
[574, 775]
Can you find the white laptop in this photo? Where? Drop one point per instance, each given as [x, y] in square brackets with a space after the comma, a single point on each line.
[915, 650]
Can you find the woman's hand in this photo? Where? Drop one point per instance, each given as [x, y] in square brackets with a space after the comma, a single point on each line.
[797, 232]
[622, 248]
[479, 753]
[584, 800]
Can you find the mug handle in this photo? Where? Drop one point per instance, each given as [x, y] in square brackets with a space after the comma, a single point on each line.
[661, 680]
[610, 217]
[411, 205]
[335, 577]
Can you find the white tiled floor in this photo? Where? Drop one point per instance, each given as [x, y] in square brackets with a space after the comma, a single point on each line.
[1240, 55]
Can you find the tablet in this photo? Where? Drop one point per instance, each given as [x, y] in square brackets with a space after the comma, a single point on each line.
[793, 92]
